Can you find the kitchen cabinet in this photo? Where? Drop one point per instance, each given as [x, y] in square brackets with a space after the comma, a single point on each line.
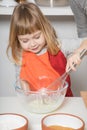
[50, 11]
[63, 21]
[56, 11]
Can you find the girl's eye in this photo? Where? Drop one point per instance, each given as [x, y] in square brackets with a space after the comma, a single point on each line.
[25, 41]
[37, 36]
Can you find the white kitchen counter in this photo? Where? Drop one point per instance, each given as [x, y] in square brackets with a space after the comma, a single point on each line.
[74, 105]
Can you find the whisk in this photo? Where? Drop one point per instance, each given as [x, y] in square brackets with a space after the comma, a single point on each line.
[58, 85]
[59, 82]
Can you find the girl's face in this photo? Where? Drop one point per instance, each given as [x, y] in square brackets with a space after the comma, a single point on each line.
[32, 42]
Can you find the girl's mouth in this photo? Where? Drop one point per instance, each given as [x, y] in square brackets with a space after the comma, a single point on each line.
[36, 48]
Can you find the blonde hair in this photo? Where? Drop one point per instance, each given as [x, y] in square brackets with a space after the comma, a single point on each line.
[26, 19]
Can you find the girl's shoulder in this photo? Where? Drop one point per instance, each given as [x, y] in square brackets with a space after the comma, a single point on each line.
[58, 62]
[59, 55]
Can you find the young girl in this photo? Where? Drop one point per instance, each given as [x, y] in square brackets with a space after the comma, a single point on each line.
[34, 44]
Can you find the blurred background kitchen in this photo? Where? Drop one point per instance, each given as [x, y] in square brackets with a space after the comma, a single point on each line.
[61, 16]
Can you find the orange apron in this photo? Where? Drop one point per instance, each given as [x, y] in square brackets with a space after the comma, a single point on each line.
[37, 70]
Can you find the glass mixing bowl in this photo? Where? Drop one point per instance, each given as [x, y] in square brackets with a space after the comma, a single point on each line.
[42, 101]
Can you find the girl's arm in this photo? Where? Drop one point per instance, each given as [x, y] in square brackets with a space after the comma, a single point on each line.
[75, 57]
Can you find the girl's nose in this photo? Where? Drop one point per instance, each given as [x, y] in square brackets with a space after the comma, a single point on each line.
[32, 43]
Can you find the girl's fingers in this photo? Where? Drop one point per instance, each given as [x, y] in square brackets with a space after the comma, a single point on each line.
[70, 65]
[73, 61]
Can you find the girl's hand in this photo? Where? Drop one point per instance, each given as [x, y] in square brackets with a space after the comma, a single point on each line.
[24, 85]
[73, 60]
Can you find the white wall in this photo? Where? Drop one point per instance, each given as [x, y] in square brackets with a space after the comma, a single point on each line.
[66, 30]
[7, 72]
